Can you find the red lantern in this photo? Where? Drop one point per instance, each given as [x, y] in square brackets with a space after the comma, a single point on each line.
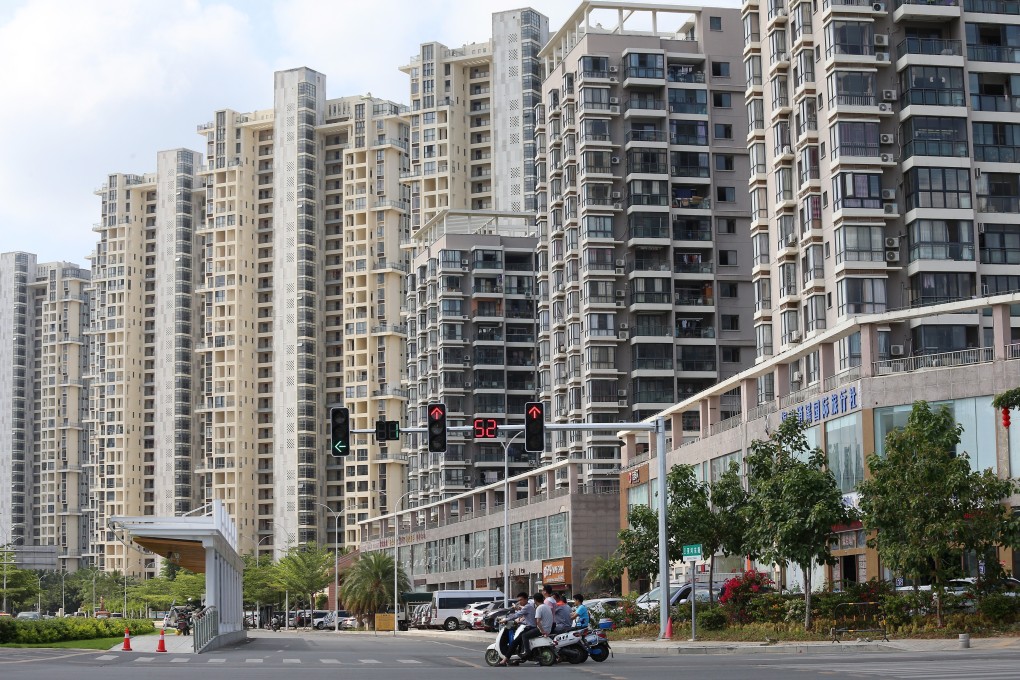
[1005, 417]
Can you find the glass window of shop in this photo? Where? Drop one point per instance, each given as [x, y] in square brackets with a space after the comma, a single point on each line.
[845, 455]
[976, 415]
[539, 538]
[519, 542]
[637, 495]
[480, 547]
[559, 545]
[1014, 455]
[495, 547]
[719, 465]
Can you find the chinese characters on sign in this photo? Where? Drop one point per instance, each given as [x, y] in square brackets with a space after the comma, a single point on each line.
[838, 403]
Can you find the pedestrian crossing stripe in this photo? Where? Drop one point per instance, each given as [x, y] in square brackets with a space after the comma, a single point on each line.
[408, 661]
[368, 660]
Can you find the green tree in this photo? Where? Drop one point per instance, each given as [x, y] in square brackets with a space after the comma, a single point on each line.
[793, 503]
[925, 504]
[260, 584]
[726, 525]
[639, 543]
[605, 571]
[367, 585]
[305, 570]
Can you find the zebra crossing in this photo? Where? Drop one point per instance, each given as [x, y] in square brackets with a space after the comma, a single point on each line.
[945, 669]
[258, 660]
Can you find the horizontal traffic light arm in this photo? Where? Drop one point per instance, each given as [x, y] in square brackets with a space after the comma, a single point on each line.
[552, 427]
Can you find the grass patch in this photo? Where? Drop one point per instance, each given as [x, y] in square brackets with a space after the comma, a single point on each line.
[96, 643]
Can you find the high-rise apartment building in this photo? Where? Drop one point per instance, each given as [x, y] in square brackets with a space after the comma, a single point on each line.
[472, 125]
[43, 317]
[643, 219]
[884, 173]
[471, 345]
[238, 294]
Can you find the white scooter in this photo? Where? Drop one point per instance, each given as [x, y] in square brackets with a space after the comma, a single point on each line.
[570, 646]
[540, 649]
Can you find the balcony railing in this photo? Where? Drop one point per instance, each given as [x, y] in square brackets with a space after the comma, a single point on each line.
[963, 357]
[998, 204]
[932, 46]
[995, 154]
[694, 268]
[645, 104]
[1011, 7]
[994, 102]
[645, 136]
[685, 76]
[996, 53]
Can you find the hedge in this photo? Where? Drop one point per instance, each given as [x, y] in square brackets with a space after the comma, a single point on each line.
[72, 628]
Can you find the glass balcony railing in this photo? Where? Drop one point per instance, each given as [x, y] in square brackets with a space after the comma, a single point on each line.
[995, 53]
[1011, 7]
[932, 46]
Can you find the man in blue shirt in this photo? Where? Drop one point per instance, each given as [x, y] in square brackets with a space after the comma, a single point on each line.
[581, 616]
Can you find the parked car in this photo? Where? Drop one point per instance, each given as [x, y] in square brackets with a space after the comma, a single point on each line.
[322, 619]
[493, 615]
[29, 616]
[679, 593]
[422, 616]
[596, 606]
[474, 613]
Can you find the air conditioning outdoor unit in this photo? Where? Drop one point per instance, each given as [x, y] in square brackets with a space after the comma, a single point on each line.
[896, 350]
[887, 139]
[623, 335]
[889, 95]
[787, 150]
[885, 107]
[892, 256]
[888, 158]
[614, 109]
[614, 79]
[797, 376]
[614, 100]
[620, 263]
[464, 263]
[467, 386]
[882, 57]
[795, 336]
[617, 206]
[621, 394]
[892, 209]
[623, 326]
[616, 195]
[615, 160]
[620, 294]
[613, 69]
[888, 194]
[878, 6]
[791, 240]
[891, 242]
[881, 40]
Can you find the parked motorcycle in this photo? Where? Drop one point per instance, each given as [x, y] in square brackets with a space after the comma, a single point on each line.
[570, 647]
[540, 649]
[596, 642]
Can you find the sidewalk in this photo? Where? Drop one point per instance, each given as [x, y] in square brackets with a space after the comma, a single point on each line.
[670, 647]
[175, 644]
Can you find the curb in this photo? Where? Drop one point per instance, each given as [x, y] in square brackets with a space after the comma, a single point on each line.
[625, 648]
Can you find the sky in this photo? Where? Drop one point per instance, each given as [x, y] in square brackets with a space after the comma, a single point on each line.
[92, 87]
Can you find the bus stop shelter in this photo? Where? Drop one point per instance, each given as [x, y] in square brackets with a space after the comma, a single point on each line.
[205, 544]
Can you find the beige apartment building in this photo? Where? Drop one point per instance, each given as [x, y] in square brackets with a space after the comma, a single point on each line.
[644, 293]
[43, 317]
[239, 293]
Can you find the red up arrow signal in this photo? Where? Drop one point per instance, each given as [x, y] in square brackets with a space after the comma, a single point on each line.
[534, 412]
[436, 412]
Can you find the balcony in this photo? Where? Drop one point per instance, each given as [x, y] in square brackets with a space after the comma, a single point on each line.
[692, 299]
[692, 203]
[690, 77]
[1010, 7]
[929, 47]
[998, 204]
[995, 53]
[1003, 103]
[694, 268]
[644, 107]
[964, 357]
[693, 108]
[926, 10]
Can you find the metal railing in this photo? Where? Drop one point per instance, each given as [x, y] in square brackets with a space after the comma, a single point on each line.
[841, 378]
[963, 357]
[798, 396]
[206, 628]
[1013, 351]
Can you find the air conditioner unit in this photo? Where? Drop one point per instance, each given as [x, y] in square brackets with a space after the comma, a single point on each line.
[616, 195]
[613, 69]
[881, 40]
[464, 263]
[797, 376]
[619, 271]
[878, 6]
[783, 56]
[623, 335]
[620, 294]
[882, 57]
[787, 150]
[885, 107]
[791, 240]
[896, 350]
[888, 194]
[892, 256]
[615, 160]
[614, 109]
[795, 336]
[614, 100]
[623, 403]
[620, 263]
[614, 79]
[623, 326]
[617, 206]
[887, 139]
[467, 386]
[889, 158]
[892, 209]
[889, 95]
[621, 394]
[891, 242]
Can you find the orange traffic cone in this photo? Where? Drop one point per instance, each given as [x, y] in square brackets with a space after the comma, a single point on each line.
[669, 630]
[127, 641]
[161, 645]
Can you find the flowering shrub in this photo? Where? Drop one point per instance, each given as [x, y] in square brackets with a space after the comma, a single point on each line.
[627, 613]
[738, 591]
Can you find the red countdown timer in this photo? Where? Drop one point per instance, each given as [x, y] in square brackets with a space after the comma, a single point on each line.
[486, 428]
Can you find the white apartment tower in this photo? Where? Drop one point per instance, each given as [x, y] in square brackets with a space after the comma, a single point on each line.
[885, 174]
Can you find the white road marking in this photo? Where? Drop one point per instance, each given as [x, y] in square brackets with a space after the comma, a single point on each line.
[143, 659]
[368, 660]
[408, 661]
[106, 657]
[253, 660]
[292, 660]
[216, 661]
[179, 660]
[331, 661]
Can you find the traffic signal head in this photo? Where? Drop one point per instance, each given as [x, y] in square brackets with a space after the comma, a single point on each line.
[437, 428]
[393, 430]
[534, 427]
[339, 431]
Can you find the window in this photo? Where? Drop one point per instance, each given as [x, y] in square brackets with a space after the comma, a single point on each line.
[724, 161]
[814, 313]
[941, 240]
[937, 188]
[844, 451]
[928, 288]
[725, 194]
[715, 23]
[849, 37]
[860, 244]
[727, 258]
[857, 190]
[1000, 244]
[730, 355]
[861, 296]
[763, 340]
[595, 67]
[687, 101]
[727, 289]
[993, 142]
[932, 86]
[850, 138]
[722, 100]
[729, 322]
[641, 65]
[852, 88]
[726, 225]
[720, 69]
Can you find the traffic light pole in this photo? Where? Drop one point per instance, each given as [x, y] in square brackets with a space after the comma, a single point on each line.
[657, 425]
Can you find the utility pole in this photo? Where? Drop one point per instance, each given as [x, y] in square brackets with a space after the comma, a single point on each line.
[336, 564]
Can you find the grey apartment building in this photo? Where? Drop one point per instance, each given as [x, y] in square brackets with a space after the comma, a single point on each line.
[644, 288]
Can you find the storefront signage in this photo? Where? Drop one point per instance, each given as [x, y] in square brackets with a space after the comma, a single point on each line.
[635, 476]
[839, 403]
[556, 571]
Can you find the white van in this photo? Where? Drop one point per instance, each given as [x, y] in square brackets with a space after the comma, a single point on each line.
[448, 605]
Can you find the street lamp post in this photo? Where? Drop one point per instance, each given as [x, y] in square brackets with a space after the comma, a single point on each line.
[94, 574]
[38, 606]
[9, 538]
[396, 555]
[506, 518]
[63, 603]
[336, 564]
[258, 608]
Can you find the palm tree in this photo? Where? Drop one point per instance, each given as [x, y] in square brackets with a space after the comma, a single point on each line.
[368, 584]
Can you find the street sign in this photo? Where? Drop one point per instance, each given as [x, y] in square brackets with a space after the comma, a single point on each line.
[692, 553]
